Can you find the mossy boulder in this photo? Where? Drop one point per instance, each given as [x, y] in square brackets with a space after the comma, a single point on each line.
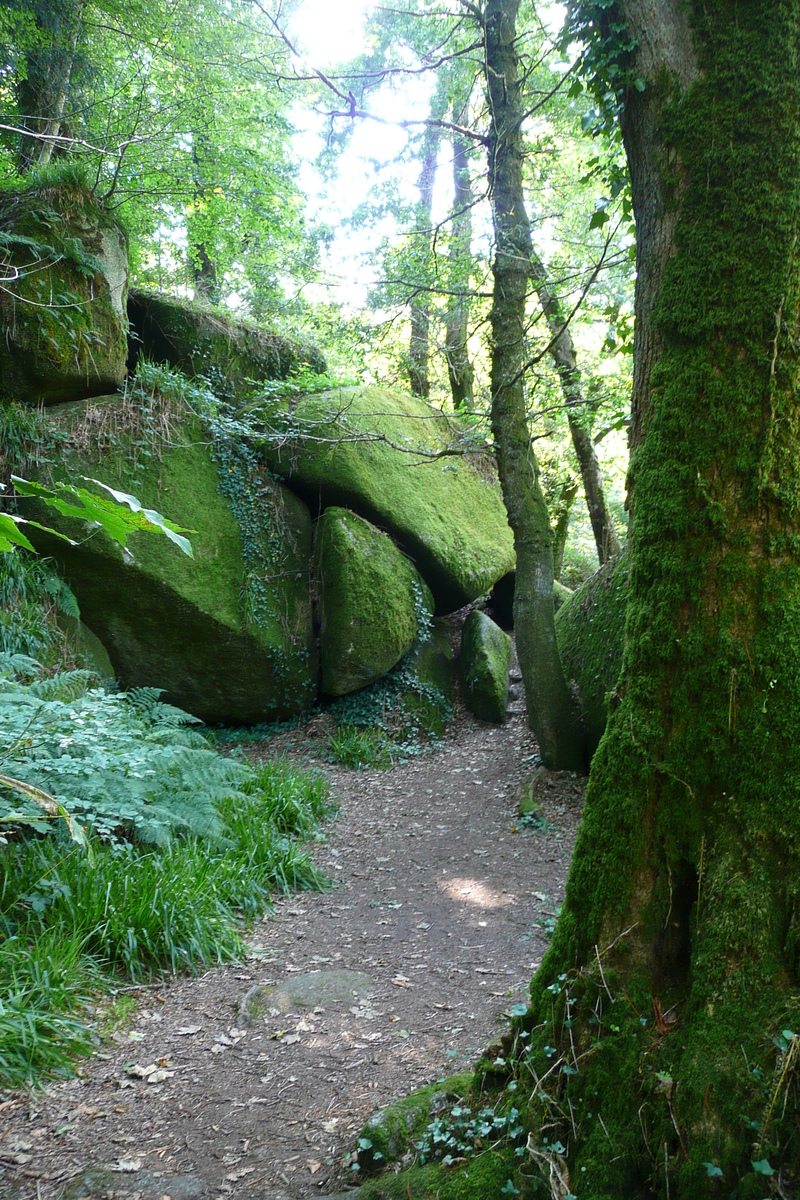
[366, 449]
[485, 660]
[227, 635]
[590, 630]
[234, 356]
[63, 316]
[371, 601]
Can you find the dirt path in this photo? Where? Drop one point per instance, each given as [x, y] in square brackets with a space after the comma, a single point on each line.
[438, 900]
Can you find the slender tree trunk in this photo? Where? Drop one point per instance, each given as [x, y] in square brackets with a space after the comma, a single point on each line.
[204, 269]
[562, 351]
[419, 343]
[550, 708]
[675, 961]
[459, 367]
[43, 93]
[563, 508]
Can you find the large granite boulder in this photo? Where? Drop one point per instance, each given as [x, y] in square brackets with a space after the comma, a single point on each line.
[485, 661]
[228, 633]
[233, 356]
[372, 601]
[374, 451]
[63, 303]
[590, 630]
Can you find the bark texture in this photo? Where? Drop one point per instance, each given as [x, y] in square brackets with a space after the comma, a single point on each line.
[550, 708]
[42, 94]
[668, 1000]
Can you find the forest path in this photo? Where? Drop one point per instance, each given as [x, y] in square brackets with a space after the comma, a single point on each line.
[438, 900]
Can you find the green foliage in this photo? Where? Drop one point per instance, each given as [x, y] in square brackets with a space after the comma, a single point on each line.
[353, 747]
[31, 597]
[460, 1134]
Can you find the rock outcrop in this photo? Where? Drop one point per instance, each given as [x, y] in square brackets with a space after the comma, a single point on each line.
[372, 601]
[63, 303]
[485, 660]
[228, 633]
[389, 457]
[232, 356]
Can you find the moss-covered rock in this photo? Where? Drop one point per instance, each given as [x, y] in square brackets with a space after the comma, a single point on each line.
[590, 628]
[485, 660]
[392, 1131]
[371, 601]
[233, 356]
[63, 316]
[228, 634]
[358, 447]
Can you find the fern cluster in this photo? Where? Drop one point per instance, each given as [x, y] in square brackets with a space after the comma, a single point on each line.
[125, 766]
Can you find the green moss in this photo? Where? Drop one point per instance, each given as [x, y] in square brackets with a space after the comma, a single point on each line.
[64, 322]
[356, 448]
[233, 356]
[369, 594]
[485, 660]
[391, 1132]
[590, 628]
[185, 624]
[482, 1178]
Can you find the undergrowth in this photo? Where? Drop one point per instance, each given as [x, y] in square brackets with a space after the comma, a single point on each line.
[183, 846]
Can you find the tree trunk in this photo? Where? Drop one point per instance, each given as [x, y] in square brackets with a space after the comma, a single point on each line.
[563, 508]
[459, 367]
[42, 94]
[419, 343]
[550, 709]
[675, 961]
[562, 351]
[203, 267]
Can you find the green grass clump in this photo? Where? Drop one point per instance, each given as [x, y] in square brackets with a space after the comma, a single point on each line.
[353, 747]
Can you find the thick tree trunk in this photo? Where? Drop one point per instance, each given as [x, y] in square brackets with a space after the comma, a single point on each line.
[419, 342]
[459, 367]
[675, 961]
[562, 351]
[550, 709]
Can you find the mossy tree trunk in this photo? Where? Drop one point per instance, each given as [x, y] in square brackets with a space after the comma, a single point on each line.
[550, 709]
[675, 961]
[459, 367]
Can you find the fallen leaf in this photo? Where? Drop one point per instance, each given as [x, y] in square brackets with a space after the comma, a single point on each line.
[313, 1166]
[217, 1049]
[236, 1175]
[126, 1165]
[159, 1076]
[329, 1126]
[401, 981]
[140, 1072]
[188, 1030]
[19, 1159]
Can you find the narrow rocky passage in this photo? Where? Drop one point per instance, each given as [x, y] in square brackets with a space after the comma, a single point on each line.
[440, 904]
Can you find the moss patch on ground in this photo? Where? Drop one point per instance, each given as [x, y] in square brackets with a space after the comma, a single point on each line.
[64, 321]
[183, 624]
[369, 597]
[360, 448]
[590, 630]
[485, 660]
[390, 1133]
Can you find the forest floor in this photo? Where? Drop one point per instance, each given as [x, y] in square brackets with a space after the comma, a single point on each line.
[441, 903]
